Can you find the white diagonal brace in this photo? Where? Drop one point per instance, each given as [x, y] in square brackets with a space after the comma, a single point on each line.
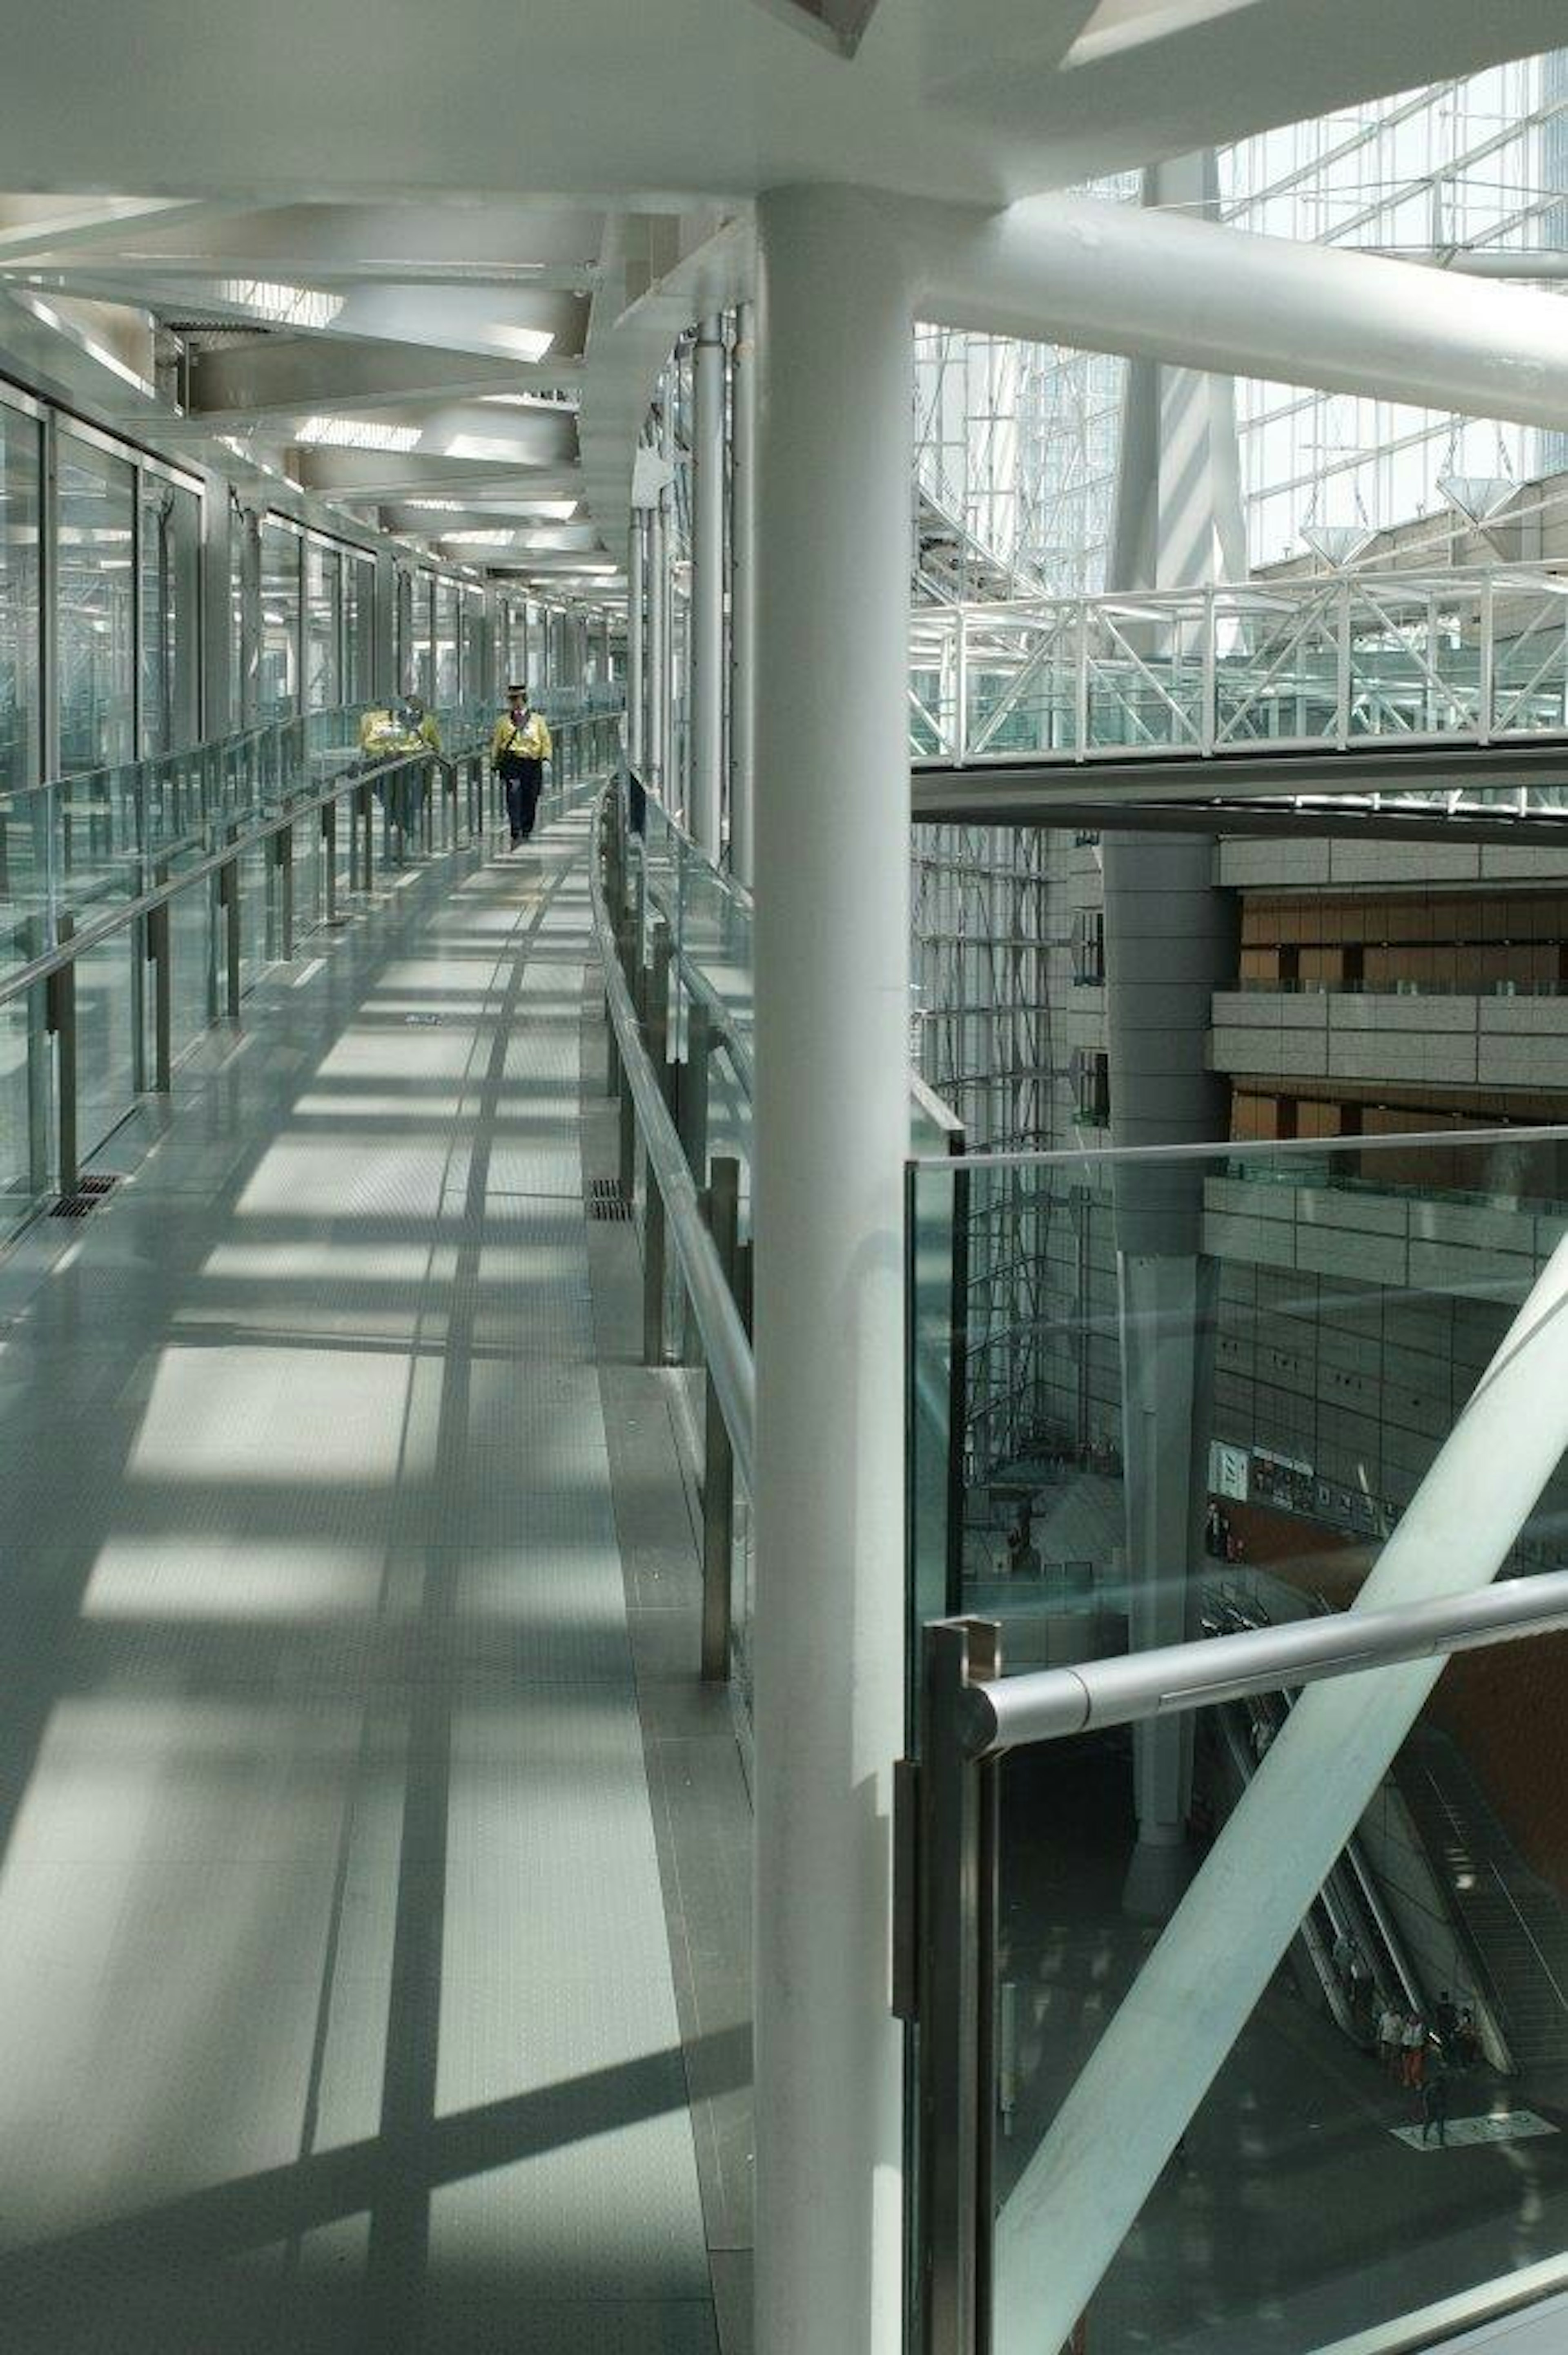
[1084, 2187]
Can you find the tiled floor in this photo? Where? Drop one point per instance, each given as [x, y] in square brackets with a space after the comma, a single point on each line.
[336, 2002]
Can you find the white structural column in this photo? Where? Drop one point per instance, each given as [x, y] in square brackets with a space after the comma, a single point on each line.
[1169, 944]
[706, 806]
[1112, 2135]
[743, 596]
[831, 969]
[658, 746]
[635, 598]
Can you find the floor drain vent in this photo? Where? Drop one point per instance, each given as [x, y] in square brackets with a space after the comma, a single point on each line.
[606, 1200]
[421, 1021]
[89, 1192]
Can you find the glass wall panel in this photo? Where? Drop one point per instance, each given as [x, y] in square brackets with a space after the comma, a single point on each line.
[170, 619]
[359, 628]
[324, 627]
[444, 685]
[418, 674]
[470, 667]
[19, 759]
[280, 689]
[95, 539]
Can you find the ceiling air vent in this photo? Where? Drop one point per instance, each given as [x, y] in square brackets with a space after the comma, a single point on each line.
[838, 23]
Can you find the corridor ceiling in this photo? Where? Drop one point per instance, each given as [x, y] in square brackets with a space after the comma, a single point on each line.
[425, 259]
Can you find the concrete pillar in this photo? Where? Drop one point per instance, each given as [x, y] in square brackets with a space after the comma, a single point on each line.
[1169, 943]
[708, 589]
[743, 596]
[832, 971]
[635, 594]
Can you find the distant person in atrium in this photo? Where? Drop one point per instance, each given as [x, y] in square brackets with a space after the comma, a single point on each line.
[518, 752]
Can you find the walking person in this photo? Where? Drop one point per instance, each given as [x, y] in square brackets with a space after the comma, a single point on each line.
[1413, 2046]
[1434, 2104]
[1390, 2039]
[518, 752]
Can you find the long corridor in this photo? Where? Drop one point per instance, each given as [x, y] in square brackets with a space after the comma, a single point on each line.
[336, 2000]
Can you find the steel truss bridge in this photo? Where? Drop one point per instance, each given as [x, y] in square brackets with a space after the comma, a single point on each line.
[1399, 703]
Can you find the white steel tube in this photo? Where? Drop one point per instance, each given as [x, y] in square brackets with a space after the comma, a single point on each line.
[1084, 2187]
[833, 968]
[658, 745]
[635, 595]
[1118, 279]
[706, 806]
[742, 598]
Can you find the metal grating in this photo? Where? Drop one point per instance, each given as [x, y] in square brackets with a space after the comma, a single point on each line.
[606, 1200]
[90, 1191]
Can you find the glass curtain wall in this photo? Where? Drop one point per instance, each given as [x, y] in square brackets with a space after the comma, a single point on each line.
[279, 684]
[170, 558]
[418, 671]
[323, 626]
[470, 650]
[358, 626]
[95, 606]
[20, 712]
[444, 687]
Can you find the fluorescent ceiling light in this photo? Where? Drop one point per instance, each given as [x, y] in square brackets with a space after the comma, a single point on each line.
[355, 434]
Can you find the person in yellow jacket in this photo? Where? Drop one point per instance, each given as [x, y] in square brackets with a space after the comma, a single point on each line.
[518, 752]
[389, 731]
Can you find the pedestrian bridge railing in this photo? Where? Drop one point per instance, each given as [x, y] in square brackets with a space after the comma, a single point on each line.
[1349, 662]
[1121, 1876]
[139, 902]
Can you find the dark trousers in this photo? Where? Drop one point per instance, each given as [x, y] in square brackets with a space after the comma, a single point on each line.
[523, 779]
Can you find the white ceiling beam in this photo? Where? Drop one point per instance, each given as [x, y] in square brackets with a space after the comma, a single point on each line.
[30, 225]
[289, 376]
[378, 474]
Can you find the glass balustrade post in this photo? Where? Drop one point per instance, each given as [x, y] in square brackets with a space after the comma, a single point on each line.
[692, 1086]
[368, 838]
[284, 857]
[61, 1020]
[656, 1030]
[40, 1094]
[228, 900]
[158, 952]
[944, 1976]
[718, 1456]
[329, 858]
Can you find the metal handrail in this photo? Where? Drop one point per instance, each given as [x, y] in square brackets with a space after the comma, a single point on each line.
[26, 977]
[125, 912]
[725, 1344]
[1005, 1712]
[1256, 1148]
[1438, 2325]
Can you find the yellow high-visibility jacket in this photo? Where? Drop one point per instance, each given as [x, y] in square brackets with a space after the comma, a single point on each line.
[383, 733]
[531, 741]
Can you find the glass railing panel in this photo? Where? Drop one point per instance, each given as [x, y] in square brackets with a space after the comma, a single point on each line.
[25, 1150]
[1274, 2147]
[108, 1068]
[193, 1002]
[1300, 1324]
[95, 821]
[26, 868]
